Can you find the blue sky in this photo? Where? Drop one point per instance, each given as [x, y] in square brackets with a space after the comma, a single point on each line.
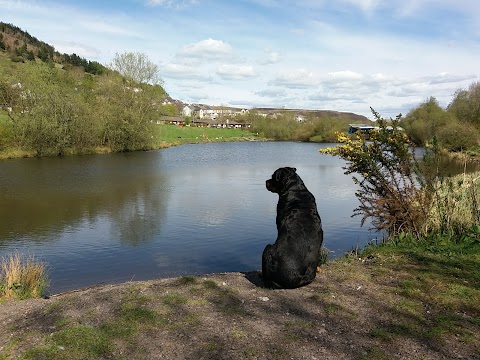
[344, 55]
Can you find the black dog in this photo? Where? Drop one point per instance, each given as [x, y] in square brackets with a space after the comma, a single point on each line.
[292, 261]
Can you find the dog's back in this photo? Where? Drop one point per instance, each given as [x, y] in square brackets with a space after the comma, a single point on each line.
[292, 261]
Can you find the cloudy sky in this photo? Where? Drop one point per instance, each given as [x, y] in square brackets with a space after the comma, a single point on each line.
[344, 55]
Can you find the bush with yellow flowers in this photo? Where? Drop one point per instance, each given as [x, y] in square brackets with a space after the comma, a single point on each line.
[383, 165]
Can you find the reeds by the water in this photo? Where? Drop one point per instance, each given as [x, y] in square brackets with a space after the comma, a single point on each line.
[456, 204]
[22, 277]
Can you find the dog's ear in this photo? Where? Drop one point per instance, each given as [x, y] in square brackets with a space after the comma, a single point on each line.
[279, 174]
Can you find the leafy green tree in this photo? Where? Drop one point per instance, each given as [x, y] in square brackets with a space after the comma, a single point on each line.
[457, 137]
[54, 118]
[136, 66]
[465, 105]
[126, 113]
[168, 110]
[423, 122]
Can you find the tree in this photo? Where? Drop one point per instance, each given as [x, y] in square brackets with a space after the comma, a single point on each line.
[136, 66]
[466, 105]
[168, 110]
[423, 122]
[126, 113]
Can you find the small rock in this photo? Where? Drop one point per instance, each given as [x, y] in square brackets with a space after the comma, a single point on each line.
[263, 298]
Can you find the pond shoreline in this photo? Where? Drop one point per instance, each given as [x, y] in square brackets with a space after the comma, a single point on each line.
[356, 308]
[11, 154]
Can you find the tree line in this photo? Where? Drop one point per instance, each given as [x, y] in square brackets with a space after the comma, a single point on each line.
[454, 128]
[283, 127]
[48, 110]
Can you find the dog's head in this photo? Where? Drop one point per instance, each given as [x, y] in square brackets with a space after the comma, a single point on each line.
[283, 179]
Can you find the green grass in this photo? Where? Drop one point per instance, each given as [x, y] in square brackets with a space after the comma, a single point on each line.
[438, 281]
[172, 134]
[3, 118]
[79, 342]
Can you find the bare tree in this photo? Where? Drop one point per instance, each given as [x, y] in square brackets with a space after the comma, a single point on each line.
[136, 66]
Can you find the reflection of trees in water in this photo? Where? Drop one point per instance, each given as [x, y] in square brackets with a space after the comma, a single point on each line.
[41, 198]
[139, 218]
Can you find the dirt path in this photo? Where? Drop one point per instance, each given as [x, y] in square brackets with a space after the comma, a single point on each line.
[351, 311]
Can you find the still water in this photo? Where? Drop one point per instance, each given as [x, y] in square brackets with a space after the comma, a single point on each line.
[192, 209]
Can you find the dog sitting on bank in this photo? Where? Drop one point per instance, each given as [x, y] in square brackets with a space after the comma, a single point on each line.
[292, 261]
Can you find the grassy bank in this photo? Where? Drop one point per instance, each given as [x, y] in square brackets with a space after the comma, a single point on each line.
[404, 299]
[163, 136]
[168, 135]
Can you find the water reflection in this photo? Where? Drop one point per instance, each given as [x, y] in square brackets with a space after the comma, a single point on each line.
[42, 198]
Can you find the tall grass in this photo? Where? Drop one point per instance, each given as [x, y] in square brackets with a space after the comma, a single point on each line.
[22, 277]
[455, 204]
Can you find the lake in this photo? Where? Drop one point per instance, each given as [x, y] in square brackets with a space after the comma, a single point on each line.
[191, 209]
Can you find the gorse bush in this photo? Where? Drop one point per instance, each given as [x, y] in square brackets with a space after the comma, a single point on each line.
[401, 195]
[22, 277]
[383, 164]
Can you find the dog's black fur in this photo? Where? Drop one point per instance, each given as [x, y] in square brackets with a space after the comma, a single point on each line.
[292, 261]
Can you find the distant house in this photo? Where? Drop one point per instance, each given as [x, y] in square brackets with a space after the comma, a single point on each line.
[191, 111]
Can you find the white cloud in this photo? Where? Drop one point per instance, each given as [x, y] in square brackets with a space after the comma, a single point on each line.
[82, 50]
[364, 5]
[236, 72]
[183, 71]
[272, 93]
[179, 4]
[444, 78]
[296, 79]
[272, 57]
[209, 49]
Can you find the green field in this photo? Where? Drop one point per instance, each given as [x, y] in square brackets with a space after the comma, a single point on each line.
[174, 135]
[3, 118]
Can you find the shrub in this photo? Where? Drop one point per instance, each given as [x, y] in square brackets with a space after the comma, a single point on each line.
[385, 168]
[457, 137]
[456, 205]
[22, 277]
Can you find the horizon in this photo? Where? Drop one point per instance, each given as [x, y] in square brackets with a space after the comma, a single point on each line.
[306, 55]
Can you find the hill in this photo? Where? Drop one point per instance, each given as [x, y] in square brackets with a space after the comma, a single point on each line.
[317, 113]
[22, 46]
